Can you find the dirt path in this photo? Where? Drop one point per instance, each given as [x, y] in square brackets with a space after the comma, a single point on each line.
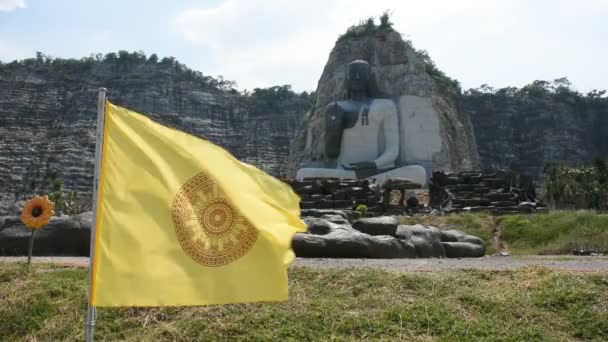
[566, 263]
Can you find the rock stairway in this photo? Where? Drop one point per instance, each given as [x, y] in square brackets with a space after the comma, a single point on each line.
[341, 193]
[498, 193]
[335, 193]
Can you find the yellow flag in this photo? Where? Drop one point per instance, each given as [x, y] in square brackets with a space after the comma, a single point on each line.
[182, 222]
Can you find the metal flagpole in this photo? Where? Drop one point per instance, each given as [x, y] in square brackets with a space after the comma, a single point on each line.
[101, 114]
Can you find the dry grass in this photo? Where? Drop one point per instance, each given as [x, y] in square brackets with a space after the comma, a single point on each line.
[533, 304]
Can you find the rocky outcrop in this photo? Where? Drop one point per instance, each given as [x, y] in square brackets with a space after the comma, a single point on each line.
[332, 236]
[432, 129]
[385, 225]
[64, 236]
[48, 110]
[522, 129]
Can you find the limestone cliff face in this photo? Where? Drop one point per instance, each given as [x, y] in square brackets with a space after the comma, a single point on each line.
[433, 129]
[48, 110]
[522, 129]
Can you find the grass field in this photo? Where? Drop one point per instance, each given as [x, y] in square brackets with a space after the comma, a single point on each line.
[558, 232]
[529, 305]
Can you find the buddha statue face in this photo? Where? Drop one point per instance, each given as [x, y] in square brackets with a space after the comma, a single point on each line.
[358, 76]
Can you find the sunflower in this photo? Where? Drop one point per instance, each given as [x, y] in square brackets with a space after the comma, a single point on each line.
[37, 212]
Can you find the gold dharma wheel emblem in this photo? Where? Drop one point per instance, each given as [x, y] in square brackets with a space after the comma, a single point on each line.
[208, 227]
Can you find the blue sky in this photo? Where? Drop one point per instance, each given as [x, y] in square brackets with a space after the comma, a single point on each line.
[262, 43]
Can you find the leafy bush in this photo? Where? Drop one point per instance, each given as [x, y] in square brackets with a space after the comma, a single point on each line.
[385, 19]
[361, 208]
[368, 26]
[443, 81]
[128, 63]
[583, 187]
[66, 202]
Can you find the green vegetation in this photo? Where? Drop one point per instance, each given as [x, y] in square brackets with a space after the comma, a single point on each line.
[533, 304]
[361, 208]
[443, 81]
[368, 26]
[559, 232]
[136, 65]
[583, 187]
[67, 202]
[537, 114]
[559, 89]
[129, 64]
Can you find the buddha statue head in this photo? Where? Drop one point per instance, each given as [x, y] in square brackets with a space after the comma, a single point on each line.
[358, 80]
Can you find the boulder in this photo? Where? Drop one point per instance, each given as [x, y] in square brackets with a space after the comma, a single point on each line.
[317, 226]
[426, 240]
[463, 250]
[64, 236]
[331, 236]
[342, 241]
[457, 244]
[383, 225]
[453, 235]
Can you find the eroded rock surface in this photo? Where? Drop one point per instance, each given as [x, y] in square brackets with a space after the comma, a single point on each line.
[48, 111]
[64, 236]
[332, 236]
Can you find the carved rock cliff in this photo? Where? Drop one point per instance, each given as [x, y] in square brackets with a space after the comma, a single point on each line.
[432, 127]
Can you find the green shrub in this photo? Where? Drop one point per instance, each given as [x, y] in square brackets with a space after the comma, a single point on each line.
[361, 208]
[583, 187]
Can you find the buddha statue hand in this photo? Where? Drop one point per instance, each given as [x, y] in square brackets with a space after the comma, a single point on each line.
[363, 165]
[362, 169]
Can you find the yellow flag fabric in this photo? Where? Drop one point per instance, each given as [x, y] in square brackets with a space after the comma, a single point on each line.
[182, 222]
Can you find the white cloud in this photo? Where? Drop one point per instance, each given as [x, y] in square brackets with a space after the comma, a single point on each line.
[510, 42]
[11, 5]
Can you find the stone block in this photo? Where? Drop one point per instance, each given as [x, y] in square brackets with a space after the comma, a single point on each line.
[385, 225]
[454, 180]
[335, 204]
[309, 204]
[471, 202]
[500, 196]
[463, 250]
[395, 211]
[504, 204]
[340, 195]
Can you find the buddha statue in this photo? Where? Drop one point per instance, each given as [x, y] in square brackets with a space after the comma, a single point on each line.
[362, 134]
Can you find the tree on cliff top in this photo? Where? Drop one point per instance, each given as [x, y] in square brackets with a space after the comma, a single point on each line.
[368, 26]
